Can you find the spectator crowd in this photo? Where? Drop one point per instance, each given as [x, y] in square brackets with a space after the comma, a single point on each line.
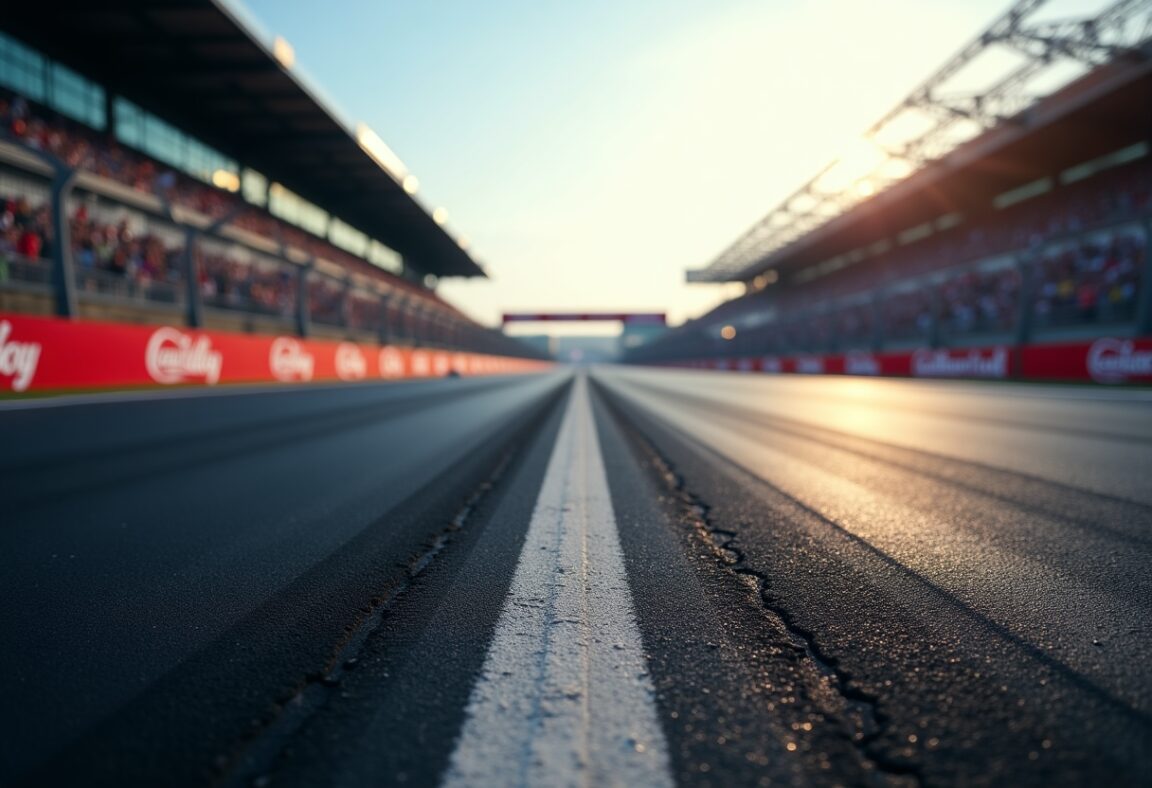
[1069, 253]
[963, 281]
[112, 256]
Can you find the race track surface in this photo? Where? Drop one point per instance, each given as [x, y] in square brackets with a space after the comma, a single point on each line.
[616, 576]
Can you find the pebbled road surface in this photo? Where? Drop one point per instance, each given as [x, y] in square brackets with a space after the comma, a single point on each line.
[833, 581]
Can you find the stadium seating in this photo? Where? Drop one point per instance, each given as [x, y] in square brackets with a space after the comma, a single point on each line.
[1072, 259]
[119, 251]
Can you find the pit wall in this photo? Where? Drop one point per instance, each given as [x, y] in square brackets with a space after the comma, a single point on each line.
[44, 354]
[1108, 360]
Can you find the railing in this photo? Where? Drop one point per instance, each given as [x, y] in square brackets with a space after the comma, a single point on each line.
[89, 283]
[236, 301]
[20, 273]
[121, 286]
[25, 272]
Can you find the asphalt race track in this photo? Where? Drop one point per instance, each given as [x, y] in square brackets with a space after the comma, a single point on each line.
[623, 576]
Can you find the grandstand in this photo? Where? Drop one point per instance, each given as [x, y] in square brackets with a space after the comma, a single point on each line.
[1011, 217]
[165, 163]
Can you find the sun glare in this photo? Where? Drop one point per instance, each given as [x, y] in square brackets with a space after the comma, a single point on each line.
[858, 160]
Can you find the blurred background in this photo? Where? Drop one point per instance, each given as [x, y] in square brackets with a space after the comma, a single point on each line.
[777, 181]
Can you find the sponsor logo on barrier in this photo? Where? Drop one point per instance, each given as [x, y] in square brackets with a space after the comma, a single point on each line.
[441, 364]
[744, 365]
[860, 364]
[288, 360]
[1118, 360]
[973, 364]
[175, 357]
[391, 363]
[810, 365]
[771, 364]
[350, 362]
[18, 360]
[421, 364]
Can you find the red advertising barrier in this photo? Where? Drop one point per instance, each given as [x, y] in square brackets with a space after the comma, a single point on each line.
[1105, 360]
[38, 353]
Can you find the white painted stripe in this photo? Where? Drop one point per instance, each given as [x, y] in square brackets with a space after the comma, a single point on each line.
[564, 698]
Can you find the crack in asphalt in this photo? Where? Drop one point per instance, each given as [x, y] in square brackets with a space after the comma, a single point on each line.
[252, 762]
[867, 722]
[1033, 651]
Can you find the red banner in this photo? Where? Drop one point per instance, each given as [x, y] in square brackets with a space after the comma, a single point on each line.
[38, 353]
[1105, 360]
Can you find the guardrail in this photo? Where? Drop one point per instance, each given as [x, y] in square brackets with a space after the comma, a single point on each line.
[24, 272]
[104, 283]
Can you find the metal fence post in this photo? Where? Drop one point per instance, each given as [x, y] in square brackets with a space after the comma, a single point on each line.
[1144, 299]
[876, 304]
[384, 333]
[936, 315]
[303, 316]
[63, 272]
[194, 314]
[346, 303]
[1026, 309]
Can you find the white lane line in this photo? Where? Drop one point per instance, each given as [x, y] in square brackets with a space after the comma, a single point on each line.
[564, 697]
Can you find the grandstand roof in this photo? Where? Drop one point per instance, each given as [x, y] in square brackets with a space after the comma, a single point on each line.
[1102, 112]
[1017, 130]
[196, 64]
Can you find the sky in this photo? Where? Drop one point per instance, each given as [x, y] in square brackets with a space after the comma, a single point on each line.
[592, 151]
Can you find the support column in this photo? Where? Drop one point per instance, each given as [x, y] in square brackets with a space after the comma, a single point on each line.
[194, 313]
[303, 315]
[1144, 298]
[382, 333]
[1026, 309]
[407, 321]
[346, 303]
[416, 333]
[935, 307]
[194, 309]
[876, 306]
[63, 273]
